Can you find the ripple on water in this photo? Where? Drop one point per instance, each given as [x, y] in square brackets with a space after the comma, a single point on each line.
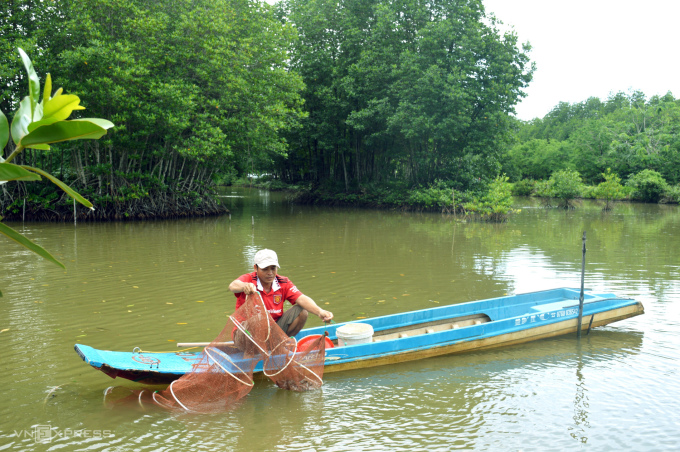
[147, 284]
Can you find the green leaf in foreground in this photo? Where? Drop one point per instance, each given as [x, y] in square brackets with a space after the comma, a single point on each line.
[77, 129]
[4, 131]
[21, 240]
[21, 120]
[9, 171]
[71, 192]
[33, 81]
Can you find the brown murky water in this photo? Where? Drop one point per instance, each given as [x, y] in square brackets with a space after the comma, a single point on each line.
[154, 284]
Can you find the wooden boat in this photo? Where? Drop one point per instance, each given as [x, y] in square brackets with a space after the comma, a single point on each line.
[458, 328]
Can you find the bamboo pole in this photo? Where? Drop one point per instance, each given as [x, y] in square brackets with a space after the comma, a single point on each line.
[580, 300]
[202, 344]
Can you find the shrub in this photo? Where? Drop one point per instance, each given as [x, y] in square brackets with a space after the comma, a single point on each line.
[609, 190]
[542, 188]
[671, 195]
[565, 185]
[525, 187]
[648, 186]
[496, 204]
[588, 192]
[430, 198]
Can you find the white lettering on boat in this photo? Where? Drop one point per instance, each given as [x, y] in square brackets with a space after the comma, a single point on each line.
[553, 315]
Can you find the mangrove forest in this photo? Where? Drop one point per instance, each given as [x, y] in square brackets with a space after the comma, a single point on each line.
[404, 104]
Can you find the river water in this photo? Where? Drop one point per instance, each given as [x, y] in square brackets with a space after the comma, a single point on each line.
[152, 284]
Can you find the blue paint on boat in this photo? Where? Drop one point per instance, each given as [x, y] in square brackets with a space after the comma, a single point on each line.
[506, 315]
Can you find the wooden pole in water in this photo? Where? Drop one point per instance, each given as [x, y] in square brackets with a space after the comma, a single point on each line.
[580, 299]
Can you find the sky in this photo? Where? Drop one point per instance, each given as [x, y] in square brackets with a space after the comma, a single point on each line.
[591, 48]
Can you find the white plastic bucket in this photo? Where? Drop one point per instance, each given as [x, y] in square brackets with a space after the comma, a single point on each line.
[354, 333]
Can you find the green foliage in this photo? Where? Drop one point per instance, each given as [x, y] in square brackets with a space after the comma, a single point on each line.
[200, 90]
[431, 198]
[626, 133]
[609, 190]
[37, 124]
[524, 187]
[26, 24]
[409, 91]
[538, 158]
[543, 188]
[496, 204]
[671, 195]
[565, 185]
[397, 195]
[648, 186]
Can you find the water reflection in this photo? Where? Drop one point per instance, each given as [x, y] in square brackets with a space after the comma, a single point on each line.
[581, 424]
[464, 398]
[152, 284]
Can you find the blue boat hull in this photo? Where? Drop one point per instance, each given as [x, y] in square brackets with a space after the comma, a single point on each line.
[458, 328]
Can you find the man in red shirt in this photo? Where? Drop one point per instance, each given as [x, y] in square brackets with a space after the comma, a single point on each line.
[274, 290]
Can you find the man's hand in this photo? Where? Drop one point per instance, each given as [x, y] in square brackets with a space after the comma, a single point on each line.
[238, 286]
[249, 289]
[310, 306]
[326, 316]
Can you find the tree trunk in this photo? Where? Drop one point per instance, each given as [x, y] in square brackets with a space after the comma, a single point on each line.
[99, 174]
[344, 170]
[356, 147]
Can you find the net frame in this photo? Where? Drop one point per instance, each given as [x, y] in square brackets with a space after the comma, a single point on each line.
[223, 374]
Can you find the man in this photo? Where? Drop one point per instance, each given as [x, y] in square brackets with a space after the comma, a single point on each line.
[274, 290]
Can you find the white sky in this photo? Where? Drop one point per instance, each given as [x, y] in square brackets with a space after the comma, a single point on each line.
[589, 48]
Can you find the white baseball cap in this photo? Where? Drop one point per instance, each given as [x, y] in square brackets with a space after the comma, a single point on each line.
[266, 258]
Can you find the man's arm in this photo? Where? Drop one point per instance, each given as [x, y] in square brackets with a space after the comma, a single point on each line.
[238, 286]
[308, 304]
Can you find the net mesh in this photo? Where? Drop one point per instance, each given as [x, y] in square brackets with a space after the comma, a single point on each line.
[223, 373]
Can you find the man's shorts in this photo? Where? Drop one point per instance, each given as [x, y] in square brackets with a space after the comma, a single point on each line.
[289, 317]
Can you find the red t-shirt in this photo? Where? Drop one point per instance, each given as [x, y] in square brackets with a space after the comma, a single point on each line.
[275, 298]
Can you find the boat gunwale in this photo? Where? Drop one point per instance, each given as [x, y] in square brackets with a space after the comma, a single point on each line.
[447, 337]
[379, 329]
[417, 343]
[506, 338]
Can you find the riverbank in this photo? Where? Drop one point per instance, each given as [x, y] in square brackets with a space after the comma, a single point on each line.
[395, 196]
[29, 208]
[448, 200]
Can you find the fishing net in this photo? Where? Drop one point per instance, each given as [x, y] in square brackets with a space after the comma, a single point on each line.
[223, 372]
